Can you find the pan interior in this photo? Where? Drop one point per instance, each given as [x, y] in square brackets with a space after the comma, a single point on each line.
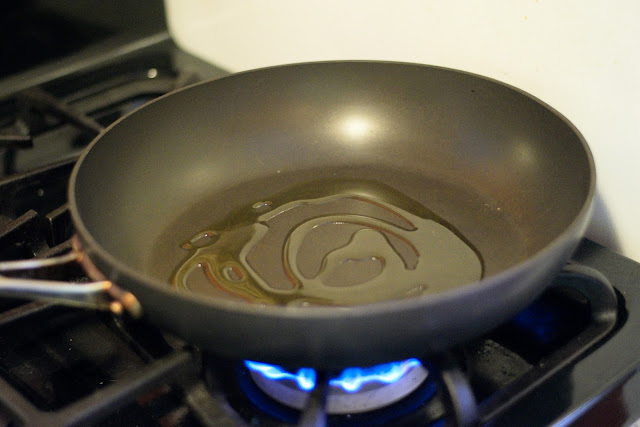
[500, 169]
[333, 241]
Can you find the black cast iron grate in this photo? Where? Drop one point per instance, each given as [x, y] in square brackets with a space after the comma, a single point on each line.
[54, 122]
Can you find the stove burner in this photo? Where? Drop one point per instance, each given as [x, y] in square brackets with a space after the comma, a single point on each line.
[354, 390]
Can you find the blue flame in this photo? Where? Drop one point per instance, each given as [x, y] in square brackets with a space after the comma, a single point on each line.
[350, 379]
[353, 379]
[305, 377]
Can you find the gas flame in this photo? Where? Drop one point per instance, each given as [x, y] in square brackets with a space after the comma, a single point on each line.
[350, 380]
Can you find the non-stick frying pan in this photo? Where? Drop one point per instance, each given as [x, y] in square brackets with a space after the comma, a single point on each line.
[506, 171]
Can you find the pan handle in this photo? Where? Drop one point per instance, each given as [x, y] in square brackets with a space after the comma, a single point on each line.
[102, 295]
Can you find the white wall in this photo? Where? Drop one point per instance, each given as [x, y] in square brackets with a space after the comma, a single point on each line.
[581, 57]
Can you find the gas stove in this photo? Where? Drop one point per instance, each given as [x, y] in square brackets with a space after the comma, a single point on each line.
[569, 358]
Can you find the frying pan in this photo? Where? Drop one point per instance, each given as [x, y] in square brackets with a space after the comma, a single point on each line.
[509, 173]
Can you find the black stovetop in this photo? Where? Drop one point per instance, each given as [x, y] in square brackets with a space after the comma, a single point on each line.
[570, 357]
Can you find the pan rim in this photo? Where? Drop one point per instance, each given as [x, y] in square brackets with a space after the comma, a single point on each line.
[577, 226]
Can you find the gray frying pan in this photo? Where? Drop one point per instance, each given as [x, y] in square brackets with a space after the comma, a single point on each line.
[507, 175]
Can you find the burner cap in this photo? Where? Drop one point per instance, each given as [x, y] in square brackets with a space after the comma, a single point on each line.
[354, 390]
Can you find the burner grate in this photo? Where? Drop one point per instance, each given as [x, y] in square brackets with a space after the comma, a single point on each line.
[55, 121]
[587, 307]
[70, 366]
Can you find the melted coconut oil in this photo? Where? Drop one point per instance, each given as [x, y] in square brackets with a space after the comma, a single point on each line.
[328, 243]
